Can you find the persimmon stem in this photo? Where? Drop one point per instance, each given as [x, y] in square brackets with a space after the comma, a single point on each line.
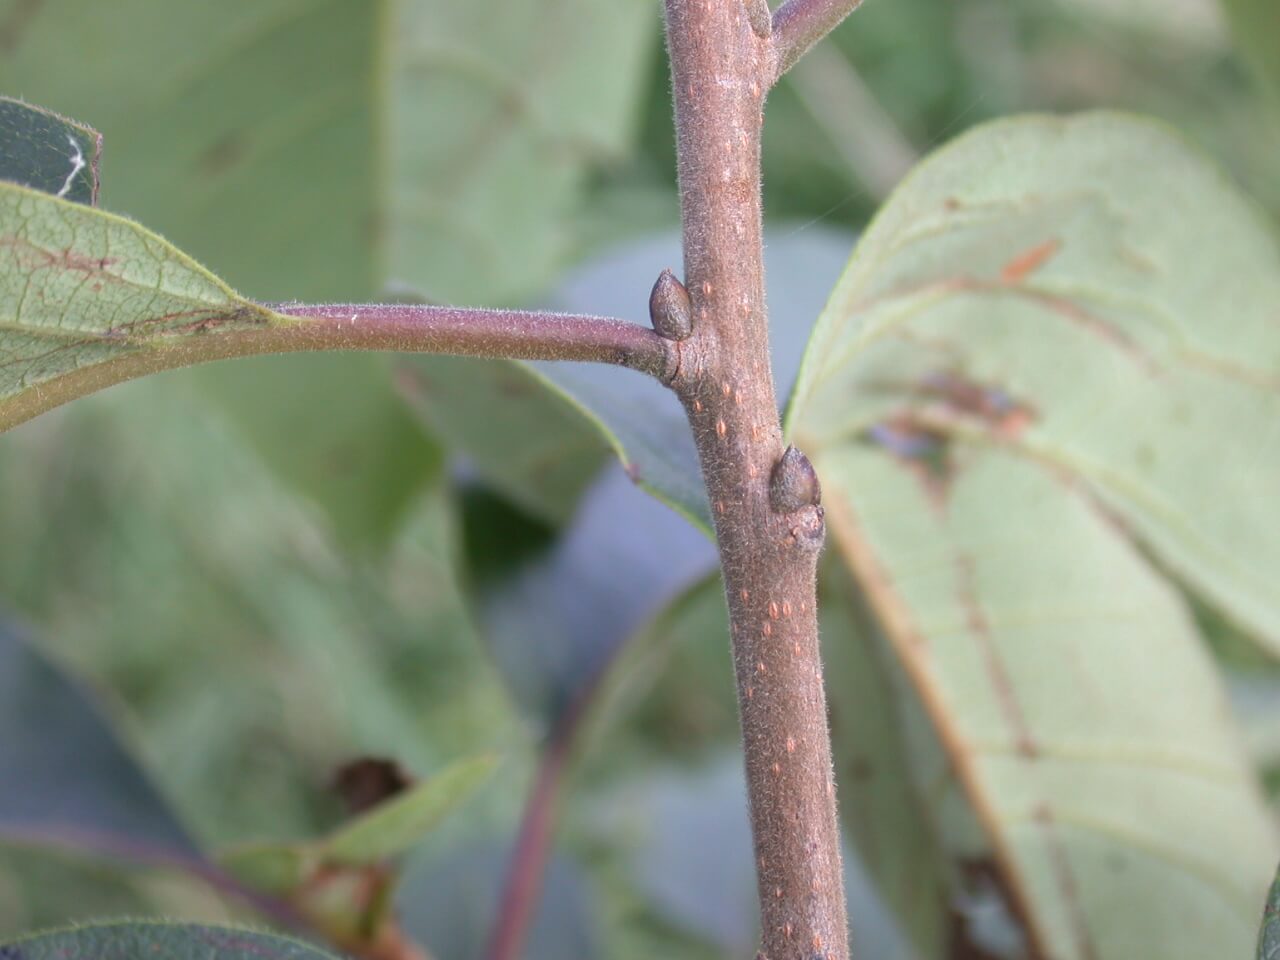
[799, 24]
[511, 334]
[764, 500]
[464, 331]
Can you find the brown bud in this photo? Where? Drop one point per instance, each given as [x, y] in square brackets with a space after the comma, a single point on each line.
[794, 483]
[759, 17]
[669, 308]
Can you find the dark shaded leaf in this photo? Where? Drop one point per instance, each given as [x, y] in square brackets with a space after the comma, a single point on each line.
[46, 152]
[1269, 935]
[70, 781]
[160, 941]
[448, 904]
[556, 615]
[687, 842]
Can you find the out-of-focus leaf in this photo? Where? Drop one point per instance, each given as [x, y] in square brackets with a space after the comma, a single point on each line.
[448, 904]
[443, 147]
[49, 153]
[496, 119]
[171, 941]
[1030, 342]
[1256, 26]
[70, 781]
[687, 842]
[556, 616]
[523, 434]
[395, 825]
[250, 138]
[333, 427]
[88, 299]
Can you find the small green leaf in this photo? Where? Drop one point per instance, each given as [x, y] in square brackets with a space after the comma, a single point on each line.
[160, 941]
[42, 150]
[88, 299]
[395, 825]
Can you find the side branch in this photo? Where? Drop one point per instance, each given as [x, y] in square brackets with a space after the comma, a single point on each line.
[799, 24]
[508, 334]
[499, 334]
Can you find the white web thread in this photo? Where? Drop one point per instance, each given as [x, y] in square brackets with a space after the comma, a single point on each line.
[79, 164]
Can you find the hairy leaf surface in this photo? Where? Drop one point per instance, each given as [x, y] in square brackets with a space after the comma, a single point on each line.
[88, 299]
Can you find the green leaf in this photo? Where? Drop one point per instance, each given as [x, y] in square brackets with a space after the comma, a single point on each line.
[498, 113]
[886, 818]
[1032, 340]
[50, 153]
[1033, 286]
[395, 825]
[248, 139]
[80, 787]
[1269, 935]
[334, 429]
[164, 941]
[88, 299]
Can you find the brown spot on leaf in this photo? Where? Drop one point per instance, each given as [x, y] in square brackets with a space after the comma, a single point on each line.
[1029, 261]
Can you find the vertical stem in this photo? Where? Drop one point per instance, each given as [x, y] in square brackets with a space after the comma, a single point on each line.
[522, 890]
[768, 539]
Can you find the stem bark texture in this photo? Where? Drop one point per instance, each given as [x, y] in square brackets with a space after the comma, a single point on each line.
[769, 526]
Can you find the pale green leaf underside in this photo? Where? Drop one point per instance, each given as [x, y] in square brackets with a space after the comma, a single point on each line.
[87, 298]
[159, 941]
[1109, 280]
[1104, 280]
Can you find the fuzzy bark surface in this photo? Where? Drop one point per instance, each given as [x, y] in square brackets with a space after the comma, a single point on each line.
[722, 69]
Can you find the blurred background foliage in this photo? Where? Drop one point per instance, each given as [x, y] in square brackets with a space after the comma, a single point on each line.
[265, 569]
